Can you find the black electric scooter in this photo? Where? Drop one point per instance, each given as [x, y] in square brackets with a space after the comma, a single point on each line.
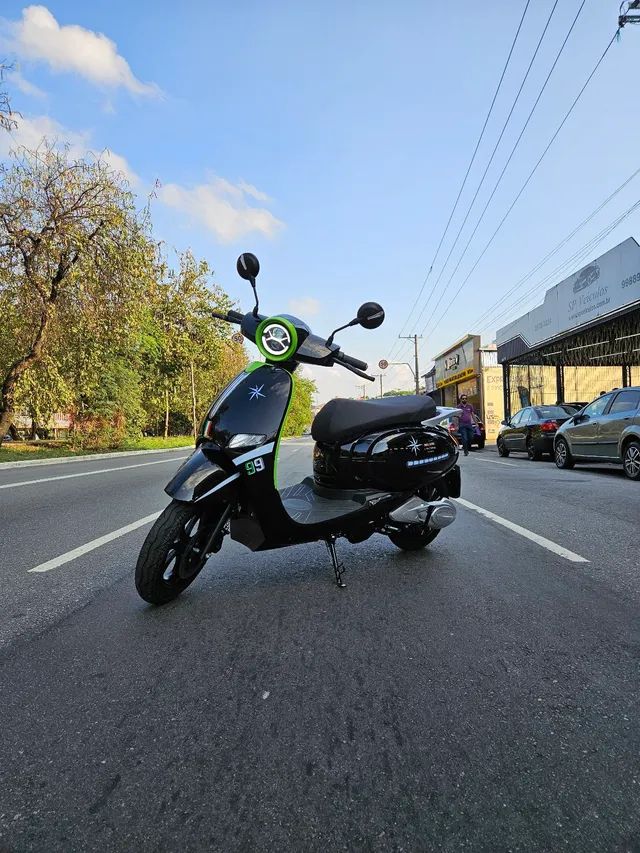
[380, 466]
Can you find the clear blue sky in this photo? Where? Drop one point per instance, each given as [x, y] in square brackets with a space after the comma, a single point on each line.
[331, 139]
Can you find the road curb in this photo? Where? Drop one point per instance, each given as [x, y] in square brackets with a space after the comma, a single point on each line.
[115, 455]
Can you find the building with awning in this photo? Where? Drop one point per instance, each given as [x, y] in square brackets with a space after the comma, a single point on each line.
[583, 339]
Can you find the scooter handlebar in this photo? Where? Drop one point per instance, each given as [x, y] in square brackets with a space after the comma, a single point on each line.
[230, 317]
[350, 361]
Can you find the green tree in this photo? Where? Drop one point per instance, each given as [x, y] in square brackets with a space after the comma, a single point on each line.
[189, 355]
[74, 253]
[299, 416]
[7, 116]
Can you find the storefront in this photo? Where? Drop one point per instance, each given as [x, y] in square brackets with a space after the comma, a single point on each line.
[458, 372]
[582, 340]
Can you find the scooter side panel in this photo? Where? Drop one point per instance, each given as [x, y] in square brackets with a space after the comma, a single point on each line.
[204, 474]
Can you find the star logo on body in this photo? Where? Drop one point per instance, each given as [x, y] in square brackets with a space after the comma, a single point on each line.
[255, 392]
[414, 446]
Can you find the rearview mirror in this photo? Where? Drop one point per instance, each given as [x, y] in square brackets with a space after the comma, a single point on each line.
[370, 315]
[248, 266]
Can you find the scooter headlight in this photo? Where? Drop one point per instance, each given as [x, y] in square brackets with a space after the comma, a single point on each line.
[245, 439]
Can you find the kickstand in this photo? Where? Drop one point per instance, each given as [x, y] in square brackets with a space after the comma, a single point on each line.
[338, 568]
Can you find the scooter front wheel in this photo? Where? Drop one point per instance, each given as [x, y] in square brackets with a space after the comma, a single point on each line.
[172, 554]
[413, 537]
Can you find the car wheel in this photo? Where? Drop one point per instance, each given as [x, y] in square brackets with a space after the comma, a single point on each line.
[502, 450]
[631, 460]
[562, 454]
[532, 451]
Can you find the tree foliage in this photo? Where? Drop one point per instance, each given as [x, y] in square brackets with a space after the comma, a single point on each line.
[299, 415]
[96, 321]
[7, 115]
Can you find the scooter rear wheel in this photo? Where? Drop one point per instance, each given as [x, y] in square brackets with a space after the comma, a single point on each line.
[413, 537]
[170, 558]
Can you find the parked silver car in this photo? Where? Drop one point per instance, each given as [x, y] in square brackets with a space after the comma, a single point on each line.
[607, 430]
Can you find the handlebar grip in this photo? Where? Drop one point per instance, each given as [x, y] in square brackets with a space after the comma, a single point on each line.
[354, 362]
[235, 316]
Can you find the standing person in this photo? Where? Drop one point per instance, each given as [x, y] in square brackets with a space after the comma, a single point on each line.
[466, 422]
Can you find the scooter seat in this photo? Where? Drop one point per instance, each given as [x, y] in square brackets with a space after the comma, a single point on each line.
[341, 420]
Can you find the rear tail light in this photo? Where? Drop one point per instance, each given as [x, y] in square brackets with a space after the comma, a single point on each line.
[548, 426]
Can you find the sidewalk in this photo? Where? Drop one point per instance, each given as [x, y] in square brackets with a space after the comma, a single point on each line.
[60, 460]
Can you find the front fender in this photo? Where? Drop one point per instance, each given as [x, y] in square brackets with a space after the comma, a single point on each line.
[207, 473]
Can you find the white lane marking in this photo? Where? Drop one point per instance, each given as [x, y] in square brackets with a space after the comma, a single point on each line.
[91, 546]
[522, 531]
[495, 462]
[89, 473]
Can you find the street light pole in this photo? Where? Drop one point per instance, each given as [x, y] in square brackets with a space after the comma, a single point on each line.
[416, 372]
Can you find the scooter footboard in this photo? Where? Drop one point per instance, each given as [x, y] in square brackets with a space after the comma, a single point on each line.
[204, 475]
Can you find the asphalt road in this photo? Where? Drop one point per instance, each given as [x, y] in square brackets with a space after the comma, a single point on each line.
[479, 695]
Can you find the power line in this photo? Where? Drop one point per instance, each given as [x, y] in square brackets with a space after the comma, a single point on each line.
[513, 151]
[489, 311]
[526, 183]
[572, 262]
[471, 162]
[488, 166]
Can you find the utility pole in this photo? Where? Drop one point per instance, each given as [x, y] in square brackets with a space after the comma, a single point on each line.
[362, 387]
[416, 373]
[380, 375]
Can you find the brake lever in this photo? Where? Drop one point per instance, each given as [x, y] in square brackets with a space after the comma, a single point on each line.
[356, 371]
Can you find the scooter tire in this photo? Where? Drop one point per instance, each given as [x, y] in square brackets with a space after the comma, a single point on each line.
[412, 540]
[153, 582]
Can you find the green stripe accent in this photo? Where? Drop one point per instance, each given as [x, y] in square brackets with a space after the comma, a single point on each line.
[276, 452]
[253, 366]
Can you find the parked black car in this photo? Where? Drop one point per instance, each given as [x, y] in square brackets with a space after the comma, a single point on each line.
[532, 430]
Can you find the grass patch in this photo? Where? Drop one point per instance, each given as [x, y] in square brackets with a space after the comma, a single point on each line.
[22, 451]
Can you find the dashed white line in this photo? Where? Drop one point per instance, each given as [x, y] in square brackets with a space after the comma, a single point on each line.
[91, 546]
[522, 531]
[495, 462]
[88, 473]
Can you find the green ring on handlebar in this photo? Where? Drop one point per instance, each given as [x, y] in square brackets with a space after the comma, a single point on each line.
[293, 337]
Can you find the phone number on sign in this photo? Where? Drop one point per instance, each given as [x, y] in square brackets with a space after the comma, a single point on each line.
[627, 282]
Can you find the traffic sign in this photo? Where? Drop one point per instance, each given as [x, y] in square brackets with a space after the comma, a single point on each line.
[383, 364]
[237, 337]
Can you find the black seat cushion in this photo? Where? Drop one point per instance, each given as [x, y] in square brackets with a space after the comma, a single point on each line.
[340, 420]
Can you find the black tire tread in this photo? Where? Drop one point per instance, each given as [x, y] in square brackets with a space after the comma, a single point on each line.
[149, 569]
[569, 463]
[627, 445]
[409, 540]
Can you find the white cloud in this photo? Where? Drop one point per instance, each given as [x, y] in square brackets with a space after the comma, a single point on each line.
[30, 133]
[305, 306]
[24, 86]
[39, 37]
[222, 207]
[249, 189]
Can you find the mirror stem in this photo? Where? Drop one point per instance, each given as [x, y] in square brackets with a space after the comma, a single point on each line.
[255, 296]
[329, 340]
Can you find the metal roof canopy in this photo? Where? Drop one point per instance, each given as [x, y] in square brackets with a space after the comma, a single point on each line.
[606, 342]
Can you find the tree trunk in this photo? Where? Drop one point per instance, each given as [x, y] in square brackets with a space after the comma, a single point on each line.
[15, 372]
[193, 401]
[166, 412]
